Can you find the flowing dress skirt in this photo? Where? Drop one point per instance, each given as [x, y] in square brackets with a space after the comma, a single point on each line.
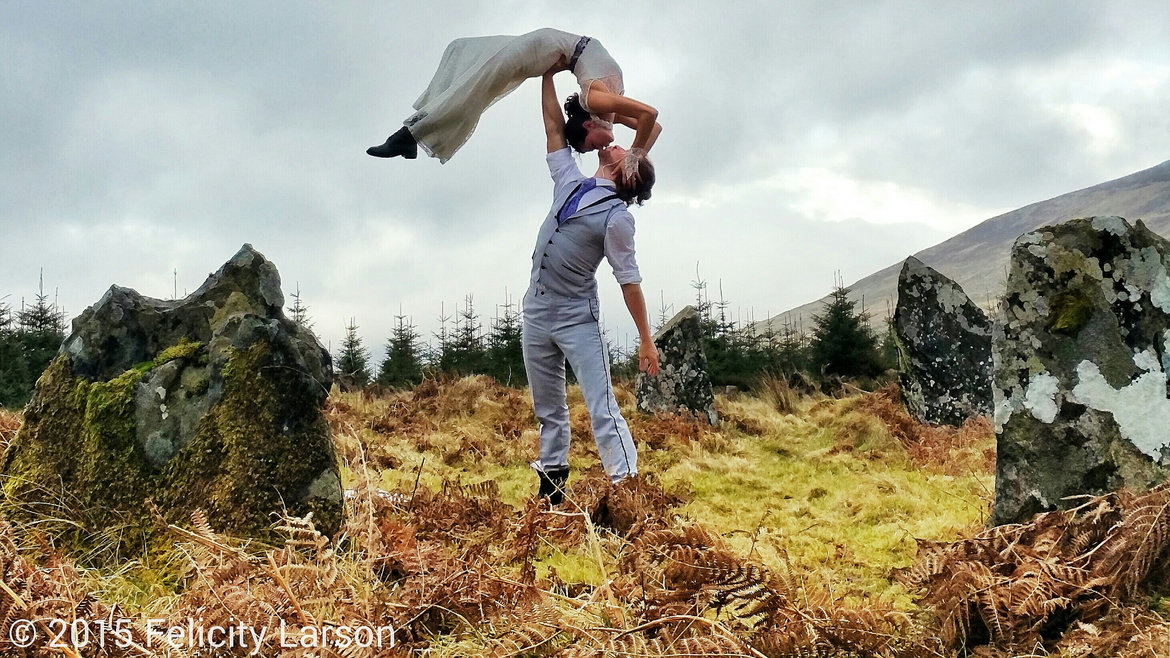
[476, 72]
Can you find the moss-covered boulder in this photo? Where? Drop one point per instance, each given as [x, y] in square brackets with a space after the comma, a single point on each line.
[213, 402]
[1081, 360]
[944, 348]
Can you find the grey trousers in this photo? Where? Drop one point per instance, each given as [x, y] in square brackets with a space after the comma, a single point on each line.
[557, 329]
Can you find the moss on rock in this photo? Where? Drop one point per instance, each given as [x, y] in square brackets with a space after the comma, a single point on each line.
[211, 402]
[77, 467]
[1070, 312]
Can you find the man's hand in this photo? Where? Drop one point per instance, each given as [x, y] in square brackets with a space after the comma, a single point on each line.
[647, 353]
[561, 65]
[648, 358]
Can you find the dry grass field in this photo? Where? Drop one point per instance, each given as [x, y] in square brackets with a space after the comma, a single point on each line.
[800, 526]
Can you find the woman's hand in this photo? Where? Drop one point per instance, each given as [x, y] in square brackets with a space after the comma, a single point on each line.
[631, 162]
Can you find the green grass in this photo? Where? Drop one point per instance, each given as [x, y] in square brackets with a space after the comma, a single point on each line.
[844, 518]
[826, 492]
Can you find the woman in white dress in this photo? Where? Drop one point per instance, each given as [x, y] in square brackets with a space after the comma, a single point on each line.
[478, 71]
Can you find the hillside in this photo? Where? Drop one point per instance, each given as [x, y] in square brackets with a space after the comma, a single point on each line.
[977, 258]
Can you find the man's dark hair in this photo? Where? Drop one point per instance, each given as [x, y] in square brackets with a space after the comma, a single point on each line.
[575, 130]
[639, 192]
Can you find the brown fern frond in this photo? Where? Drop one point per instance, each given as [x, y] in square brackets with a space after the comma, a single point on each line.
[200, 525]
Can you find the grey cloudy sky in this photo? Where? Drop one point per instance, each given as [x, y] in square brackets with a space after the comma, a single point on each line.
[800, 138]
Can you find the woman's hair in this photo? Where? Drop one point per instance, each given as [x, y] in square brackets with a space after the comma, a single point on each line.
[639, 192]
[575, 130]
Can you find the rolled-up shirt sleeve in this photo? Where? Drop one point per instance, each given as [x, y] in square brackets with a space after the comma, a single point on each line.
[619, 248]
[563, 169]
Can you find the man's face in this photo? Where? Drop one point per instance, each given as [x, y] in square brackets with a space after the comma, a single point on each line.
[610, 154]
[599, 135]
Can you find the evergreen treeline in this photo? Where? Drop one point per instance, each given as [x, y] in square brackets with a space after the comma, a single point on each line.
[29, 339]
[462, 347]
[840, 344]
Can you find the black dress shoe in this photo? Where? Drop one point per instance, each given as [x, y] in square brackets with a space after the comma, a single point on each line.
[552, 484]
[400, 143]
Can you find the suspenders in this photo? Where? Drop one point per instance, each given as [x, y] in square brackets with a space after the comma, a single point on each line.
[570, 198]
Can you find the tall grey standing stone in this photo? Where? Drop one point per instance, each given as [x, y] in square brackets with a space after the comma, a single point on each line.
[682, 383]
[1081, 362]
[214, 402]
[944, 348]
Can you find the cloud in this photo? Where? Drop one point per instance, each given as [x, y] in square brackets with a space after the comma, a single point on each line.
[799, 139]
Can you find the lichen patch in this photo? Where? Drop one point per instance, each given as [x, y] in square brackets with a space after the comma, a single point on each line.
[1140, 409]
[1040, 398]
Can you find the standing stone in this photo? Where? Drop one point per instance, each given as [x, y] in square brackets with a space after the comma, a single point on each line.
[212, 402]
[1081, 358]
[944, 348]
[682, 383]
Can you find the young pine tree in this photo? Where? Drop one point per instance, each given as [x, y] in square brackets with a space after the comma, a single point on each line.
[353, 366]
[888, 350]
[27, 348]
[300, 312]
[5, 316]
[403, 365]
[790, 352]
[843, 343]
[14, 371]
[505, 350]
[42, 317]
[464, 353]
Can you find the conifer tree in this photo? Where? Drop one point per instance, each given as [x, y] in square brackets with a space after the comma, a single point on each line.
[842, 341]
[353, 366]
[28, 342]
[40, 330]
[5, 317]
[403, 365]
[464, 353]
[43, 317]
[300, 312]
[790, 352]
[14, 376]
[434, 357]
[505, 349]
[888, 350]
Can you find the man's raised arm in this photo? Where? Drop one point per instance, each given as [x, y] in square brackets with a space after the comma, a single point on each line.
[554, 121]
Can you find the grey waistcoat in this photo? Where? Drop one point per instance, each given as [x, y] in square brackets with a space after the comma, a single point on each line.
[566, 258]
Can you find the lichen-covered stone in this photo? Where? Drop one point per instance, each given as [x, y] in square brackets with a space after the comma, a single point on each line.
[944, 348]
[213, 402]
[1081, 361]
[682, 383]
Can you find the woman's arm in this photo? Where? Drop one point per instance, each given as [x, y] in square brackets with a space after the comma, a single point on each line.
[603, 101]
[631, 123]
[554, 121]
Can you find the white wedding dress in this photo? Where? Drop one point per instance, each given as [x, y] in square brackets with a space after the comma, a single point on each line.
[478, 71]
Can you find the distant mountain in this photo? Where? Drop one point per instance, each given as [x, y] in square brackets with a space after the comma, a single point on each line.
[977, 259]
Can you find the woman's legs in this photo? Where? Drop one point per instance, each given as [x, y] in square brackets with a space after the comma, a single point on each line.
[473, 74]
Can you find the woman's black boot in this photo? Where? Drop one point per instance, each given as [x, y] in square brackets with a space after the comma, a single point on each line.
[400, 143]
